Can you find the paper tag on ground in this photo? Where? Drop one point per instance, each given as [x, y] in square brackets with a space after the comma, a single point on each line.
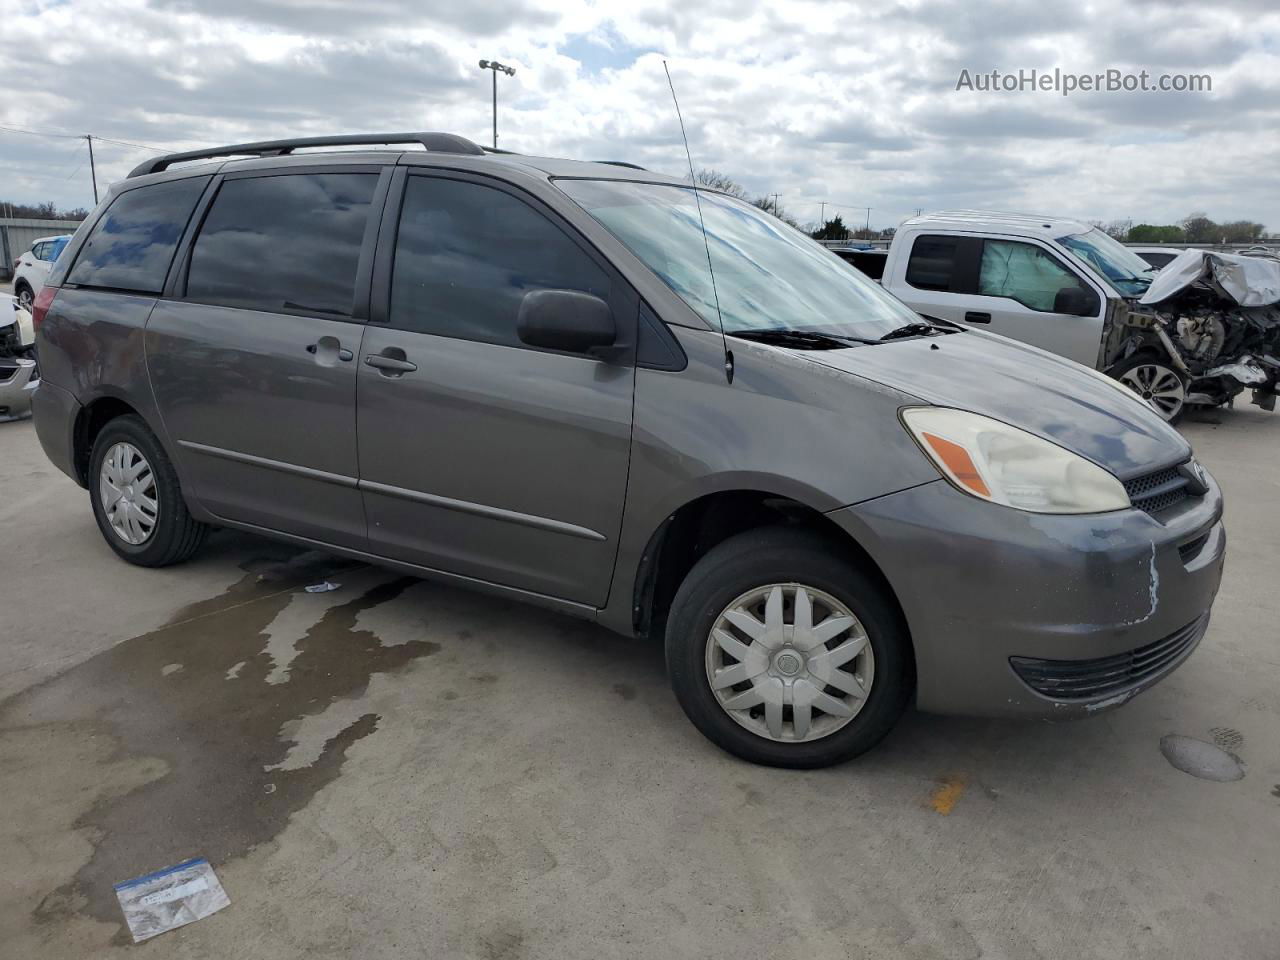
[170, 898]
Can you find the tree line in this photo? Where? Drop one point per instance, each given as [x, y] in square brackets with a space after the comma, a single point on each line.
[1193, 228]
[40, 211]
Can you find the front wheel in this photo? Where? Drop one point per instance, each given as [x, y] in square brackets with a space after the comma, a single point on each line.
[1156, 382]
[137, 500]
[783, 652]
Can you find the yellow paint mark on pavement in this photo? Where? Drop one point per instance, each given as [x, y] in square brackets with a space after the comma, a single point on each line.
[946, 794]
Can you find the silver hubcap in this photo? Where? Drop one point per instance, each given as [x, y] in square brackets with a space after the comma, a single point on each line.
[127, 488]
[1159, 386]
[789, 663]
[25, 299]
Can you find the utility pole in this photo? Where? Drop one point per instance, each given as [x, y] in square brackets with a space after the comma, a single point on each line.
[822, 215]
[495, 66]
[93, 171]
[868, 223]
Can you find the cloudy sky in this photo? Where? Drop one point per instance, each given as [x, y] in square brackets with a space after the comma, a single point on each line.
[853, 103]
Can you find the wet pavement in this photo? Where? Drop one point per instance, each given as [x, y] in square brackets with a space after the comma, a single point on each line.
[402, 769]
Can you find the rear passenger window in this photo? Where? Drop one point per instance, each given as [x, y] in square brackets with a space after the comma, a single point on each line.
[283, 244]
[466, 255]
[132, 246]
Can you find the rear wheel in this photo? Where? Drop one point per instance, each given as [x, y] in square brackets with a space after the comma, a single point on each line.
[783, 652]
[1156, 382]
[26, 299]
[137, 500]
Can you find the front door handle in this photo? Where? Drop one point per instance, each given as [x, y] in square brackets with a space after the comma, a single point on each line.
[328, 349]
[972, 316]
[390, 365]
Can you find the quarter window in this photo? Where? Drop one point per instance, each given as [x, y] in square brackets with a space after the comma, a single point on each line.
[286, 243]
[1024, 273]
[466, 254]
[932, 265]
[132, 245]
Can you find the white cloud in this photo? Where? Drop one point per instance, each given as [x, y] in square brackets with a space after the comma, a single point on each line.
[851, 103]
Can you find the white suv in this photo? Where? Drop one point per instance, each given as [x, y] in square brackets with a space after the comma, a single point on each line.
[33, 267]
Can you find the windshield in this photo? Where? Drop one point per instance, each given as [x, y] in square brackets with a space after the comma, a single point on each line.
[1127, 271]
[769, 276]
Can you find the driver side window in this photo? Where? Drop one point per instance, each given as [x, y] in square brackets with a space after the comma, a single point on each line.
[1024, 273]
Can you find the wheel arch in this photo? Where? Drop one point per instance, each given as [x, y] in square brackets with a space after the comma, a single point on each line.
[90, 420]
[701, 523]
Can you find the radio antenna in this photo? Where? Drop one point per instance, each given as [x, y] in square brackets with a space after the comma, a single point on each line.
[706, 243]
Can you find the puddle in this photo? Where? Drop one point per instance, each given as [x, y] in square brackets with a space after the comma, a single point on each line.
[212, 730]
[1201, 759]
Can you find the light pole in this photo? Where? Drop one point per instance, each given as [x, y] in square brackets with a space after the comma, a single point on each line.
[93, 171]
[496, 67]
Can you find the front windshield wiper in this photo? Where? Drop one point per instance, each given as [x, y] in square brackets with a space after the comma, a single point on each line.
[918, 328]
[800, 339]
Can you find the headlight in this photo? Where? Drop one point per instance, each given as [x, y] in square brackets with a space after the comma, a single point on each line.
[996, 462]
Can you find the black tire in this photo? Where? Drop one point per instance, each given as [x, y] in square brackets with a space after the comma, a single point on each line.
[27, 301]
[1148, 359]
[758, 558]
[176, 535]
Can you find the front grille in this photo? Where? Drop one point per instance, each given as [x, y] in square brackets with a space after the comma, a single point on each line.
[1154, 492]
[1101, 677]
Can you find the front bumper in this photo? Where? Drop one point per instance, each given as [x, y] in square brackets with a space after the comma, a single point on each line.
[18, 381]
[1118, 599]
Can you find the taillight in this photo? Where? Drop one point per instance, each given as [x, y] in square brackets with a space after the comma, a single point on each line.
[44, 300]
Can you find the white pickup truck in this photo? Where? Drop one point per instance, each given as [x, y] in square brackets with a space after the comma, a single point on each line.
[1058, 284]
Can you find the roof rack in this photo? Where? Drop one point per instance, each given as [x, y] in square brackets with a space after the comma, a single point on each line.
[436, 142]
[622, 163]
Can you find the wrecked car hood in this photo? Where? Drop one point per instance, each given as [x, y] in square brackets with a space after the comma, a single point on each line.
[1245, 281]
[1042, 393]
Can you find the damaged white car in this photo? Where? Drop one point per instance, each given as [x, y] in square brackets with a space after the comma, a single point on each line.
[19, 374]
[1221, 313]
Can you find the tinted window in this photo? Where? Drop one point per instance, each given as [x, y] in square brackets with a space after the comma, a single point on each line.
[466, 254]
[933, 262]
[287, 243]
[40, 251]
[56, 248]
[1024, 273]
[132, 246]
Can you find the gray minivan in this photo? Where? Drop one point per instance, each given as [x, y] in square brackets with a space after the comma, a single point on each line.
[520, 375]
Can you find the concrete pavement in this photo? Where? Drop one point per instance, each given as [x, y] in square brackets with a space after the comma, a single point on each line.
[401, 769]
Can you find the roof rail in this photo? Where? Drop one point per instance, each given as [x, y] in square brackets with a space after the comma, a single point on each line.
[436, 142]
[622, 163]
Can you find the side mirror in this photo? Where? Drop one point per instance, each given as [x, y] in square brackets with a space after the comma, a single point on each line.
[1076, 301]
[566, 320]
